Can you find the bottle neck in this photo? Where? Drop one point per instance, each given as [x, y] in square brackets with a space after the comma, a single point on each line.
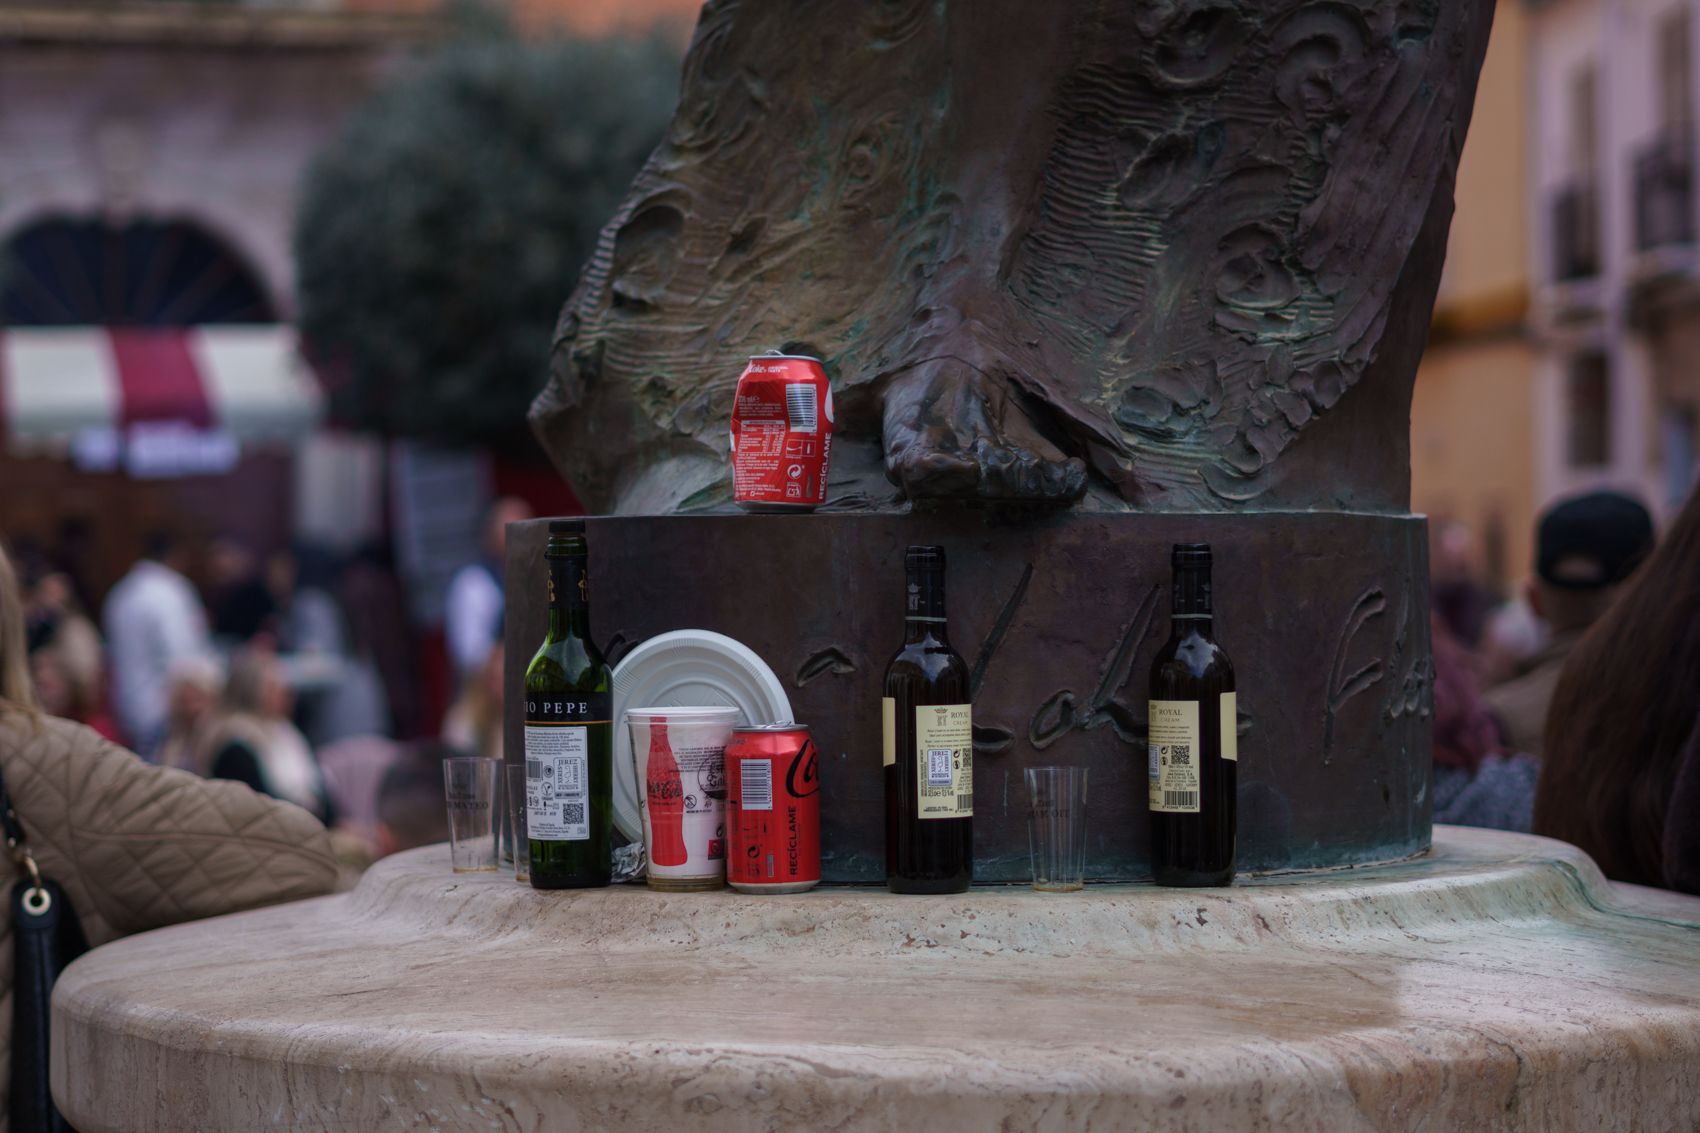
[923, 615]
[1192, 608]
[569, 595]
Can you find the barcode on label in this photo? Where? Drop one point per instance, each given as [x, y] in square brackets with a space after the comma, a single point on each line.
[534, 769]
[1180, 798]
[800, 407]
[938, 766]
[965, 802]
[756, 781]
[572, 813]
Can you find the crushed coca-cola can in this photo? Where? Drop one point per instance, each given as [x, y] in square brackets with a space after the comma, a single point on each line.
[773, 809]
[781, 434]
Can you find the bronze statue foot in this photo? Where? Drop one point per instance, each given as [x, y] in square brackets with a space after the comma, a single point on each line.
[953, 432]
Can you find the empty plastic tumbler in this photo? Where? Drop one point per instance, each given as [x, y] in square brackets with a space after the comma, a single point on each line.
[1056, 827]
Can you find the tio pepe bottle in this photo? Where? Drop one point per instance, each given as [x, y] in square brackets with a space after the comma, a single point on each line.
[569, 733]
[1193, 748]
[928, 726]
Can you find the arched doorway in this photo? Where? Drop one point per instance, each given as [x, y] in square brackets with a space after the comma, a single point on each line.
[70, 271]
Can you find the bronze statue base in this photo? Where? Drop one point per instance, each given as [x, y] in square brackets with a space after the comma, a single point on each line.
[1324, 615]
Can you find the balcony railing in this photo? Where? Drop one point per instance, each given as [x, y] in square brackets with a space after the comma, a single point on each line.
[1664, 192]
[1576, 232]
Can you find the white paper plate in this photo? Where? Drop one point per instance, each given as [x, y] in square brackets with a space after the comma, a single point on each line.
[687, 666]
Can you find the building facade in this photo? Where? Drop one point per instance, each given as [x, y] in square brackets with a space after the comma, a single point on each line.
[1565, 351]
[1616, 314]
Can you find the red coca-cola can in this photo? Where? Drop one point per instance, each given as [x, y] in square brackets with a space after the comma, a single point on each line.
[781, 434]
[773, 809]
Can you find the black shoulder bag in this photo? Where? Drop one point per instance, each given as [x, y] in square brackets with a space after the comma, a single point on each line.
[46, 936]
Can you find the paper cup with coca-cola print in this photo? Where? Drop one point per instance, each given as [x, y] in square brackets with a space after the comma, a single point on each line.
[681, 769]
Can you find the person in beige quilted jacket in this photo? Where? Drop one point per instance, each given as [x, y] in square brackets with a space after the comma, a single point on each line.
[135, 846]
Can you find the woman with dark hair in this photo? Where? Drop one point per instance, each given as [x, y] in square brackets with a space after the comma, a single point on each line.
[1621, 775]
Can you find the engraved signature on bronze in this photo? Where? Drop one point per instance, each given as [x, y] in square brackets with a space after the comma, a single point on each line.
[1411, 691]
[1061, 713]
[1412, 694]
[990, 739]
[831, 660]
[1372, 603]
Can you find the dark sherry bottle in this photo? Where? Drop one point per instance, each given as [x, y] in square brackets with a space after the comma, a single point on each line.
[1193, 748]
[928, 726]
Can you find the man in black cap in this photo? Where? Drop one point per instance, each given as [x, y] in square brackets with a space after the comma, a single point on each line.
[1585, 547]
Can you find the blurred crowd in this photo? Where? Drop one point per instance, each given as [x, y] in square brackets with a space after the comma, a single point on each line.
[297, 673]
[1572, 707]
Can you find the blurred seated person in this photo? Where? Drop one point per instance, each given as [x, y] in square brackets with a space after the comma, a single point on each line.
[1586, 546]
[253, 741]
[381, 635]
[56, 621]
[193, 693]
[353, 768]
[1457, 595]
[153, 619]
[1476, 782]
[473, 723]
[239, 601]
[472, 616]
[117, 833]
[60, 694]
[1514, 633]
[412, 808]
[338, 694]
[1621, 777]
[301, 583]
[67, 660]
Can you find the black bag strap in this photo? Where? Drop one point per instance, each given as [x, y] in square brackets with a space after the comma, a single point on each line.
[9, 825]
[46, 936]
[14, 834]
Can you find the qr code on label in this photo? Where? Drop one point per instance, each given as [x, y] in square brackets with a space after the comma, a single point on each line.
[938, 766]
[1180, 755]
[572, 813]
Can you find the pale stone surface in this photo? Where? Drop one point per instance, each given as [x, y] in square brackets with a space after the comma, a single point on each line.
[1500, 983]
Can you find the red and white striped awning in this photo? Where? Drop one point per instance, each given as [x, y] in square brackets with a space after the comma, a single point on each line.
[246, 381]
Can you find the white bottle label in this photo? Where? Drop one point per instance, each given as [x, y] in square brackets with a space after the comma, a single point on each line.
[557, 783]
[1172, 754]
[944, 760]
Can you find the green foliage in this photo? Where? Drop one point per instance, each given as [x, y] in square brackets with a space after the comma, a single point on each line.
[441, 232]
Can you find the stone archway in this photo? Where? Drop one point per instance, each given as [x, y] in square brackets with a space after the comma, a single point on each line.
[65, 270]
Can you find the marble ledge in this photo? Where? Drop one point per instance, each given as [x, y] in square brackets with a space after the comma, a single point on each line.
[1497, 983]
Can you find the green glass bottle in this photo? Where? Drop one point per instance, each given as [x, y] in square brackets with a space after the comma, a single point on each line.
[569, 731]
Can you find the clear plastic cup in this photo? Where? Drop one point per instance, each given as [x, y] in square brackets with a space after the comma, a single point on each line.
[517, 836]
[469, 784]
[1056, 827]
[681, 765]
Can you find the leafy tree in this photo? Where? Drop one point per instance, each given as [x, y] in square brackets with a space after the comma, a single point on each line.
[440, 232]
